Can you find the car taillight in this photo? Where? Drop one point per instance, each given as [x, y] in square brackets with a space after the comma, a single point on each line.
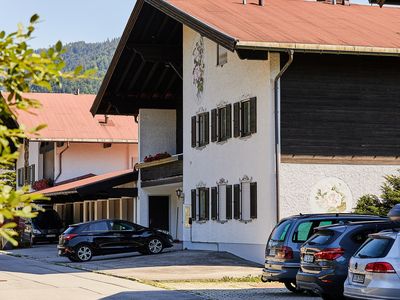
[329, 254]
[69, 237]
[284, 252]
[380, 267]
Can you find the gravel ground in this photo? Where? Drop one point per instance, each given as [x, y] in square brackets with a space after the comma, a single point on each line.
[236, 290]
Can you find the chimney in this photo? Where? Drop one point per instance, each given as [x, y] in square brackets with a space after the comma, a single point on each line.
[244, 2]
[261, 2]
[77, 91]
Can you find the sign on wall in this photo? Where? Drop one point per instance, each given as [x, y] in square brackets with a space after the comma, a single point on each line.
[330, 195]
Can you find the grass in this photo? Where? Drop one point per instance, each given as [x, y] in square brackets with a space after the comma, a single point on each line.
[248, 278]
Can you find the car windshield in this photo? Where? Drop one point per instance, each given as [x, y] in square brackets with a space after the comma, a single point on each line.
[321, 237]
[281, 230]
[374, 248]
[48, 219]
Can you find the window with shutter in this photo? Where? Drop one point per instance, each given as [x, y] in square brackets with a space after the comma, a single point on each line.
[236, 202]
[194, 211]
[32, 174]
[214, 203]
[236, 119]
[194, 135]
[213, 125]
[203, 129]
[245, 118]
[207, 197]
[229, 121]
[222, 55]
[253, 115]
[204, 199]
[229, 202]
[20, 176]
[253, 200]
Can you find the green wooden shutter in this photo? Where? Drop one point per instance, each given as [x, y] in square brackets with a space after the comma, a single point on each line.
[229, 121]
[194, 138]
[236, 201]
[253, 200]
[229, 202]
[214, 203]
[33, 174]
[207, 204]
[207, 128]
[194, 217]
[236, 119]
[253, 115]
[213, 125]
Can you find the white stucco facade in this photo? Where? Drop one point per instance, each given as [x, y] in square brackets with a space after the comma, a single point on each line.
[79, 159]
[231, 160]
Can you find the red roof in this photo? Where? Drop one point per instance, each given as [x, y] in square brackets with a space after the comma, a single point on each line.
[71, 187]
[299, 24]
[68, 118]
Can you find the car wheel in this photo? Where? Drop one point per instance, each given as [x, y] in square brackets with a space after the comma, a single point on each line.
[83, 253]
[292, 286]
[155, 246]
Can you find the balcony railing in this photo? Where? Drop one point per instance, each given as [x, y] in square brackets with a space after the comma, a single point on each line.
[164, 171]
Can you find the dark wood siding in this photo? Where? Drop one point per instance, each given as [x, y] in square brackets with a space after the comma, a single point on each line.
[341, 105]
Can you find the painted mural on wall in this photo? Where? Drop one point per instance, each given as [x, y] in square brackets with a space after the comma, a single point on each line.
[330, 195]
[198, 72]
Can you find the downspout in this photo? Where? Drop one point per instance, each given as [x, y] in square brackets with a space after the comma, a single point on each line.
[277, 106]
[60, 162]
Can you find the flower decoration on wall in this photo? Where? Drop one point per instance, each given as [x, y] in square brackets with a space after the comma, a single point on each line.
[330, 195]
[198, 67]
[158, 156]
[42, 184]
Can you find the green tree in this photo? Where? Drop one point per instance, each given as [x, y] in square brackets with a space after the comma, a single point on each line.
[20, 68]
[390, 196]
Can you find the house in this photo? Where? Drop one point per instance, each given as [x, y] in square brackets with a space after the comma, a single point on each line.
[267, 108]
[75, 148]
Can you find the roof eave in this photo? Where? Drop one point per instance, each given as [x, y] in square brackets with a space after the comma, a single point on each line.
[318, 48]
[77, 140]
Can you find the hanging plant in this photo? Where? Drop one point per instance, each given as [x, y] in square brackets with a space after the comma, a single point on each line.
[199, 67]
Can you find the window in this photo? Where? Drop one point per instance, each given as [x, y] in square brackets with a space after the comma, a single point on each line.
[245, 117]
[97, 226]
[200, 130]
[306, 229]
[214, 203]
[221, 123]
[245, 201]
[375, 248]
[281, 230]
[222, 55]
[30, 175]
[321, 238]
[200, 204]
[121, 226]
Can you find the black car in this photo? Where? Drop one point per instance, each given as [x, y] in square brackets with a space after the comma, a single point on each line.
[325, 256]
[82, 241]
[45, 227]
[282, 253]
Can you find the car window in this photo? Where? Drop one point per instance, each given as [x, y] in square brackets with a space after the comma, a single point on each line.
[360, 236]
[374, 248]
[306, 229]
[321, 238]
[97, 226]
[281, 230]
[121, 226]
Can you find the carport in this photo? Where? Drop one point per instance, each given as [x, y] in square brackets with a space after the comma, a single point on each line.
[106, 196]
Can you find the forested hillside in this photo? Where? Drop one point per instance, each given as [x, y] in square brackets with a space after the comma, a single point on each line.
[89, 56]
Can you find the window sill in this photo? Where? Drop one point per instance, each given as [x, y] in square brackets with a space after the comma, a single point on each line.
[222, 221]
[201, 221]
[201, 147]
[246, 221]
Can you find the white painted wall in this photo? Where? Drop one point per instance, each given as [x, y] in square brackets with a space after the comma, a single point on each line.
[157, 132]
[252, 156]
[297, 181]
[83, 158]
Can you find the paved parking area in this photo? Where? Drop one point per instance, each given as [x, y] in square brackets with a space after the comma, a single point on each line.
[198, 273]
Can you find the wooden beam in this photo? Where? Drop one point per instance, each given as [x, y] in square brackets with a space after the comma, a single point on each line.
[158, 52]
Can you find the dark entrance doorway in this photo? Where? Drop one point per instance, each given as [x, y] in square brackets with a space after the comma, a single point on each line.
[159, 212]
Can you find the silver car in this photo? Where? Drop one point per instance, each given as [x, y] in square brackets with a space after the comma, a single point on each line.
[374, 270]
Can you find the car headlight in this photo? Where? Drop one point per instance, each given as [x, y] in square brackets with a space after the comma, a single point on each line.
[163, 231]
[36, 231]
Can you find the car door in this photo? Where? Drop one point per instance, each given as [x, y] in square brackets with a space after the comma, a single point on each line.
[128, 235]
[99, 234]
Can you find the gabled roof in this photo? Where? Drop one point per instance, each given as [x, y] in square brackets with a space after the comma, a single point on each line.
[68, 118]
[279, 25]
[295, 24]
[92, 184]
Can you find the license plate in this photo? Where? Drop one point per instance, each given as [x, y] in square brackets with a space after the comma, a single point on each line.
[308, 258]
[272, 252]
[50, 235]
[358, 278]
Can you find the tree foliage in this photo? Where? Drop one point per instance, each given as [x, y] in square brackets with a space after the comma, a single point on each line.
[90, 56]
[390, 196]
[20, 68]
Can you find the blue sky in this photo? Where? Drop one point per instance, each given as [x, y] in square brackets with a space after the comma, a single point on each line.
[68, 20]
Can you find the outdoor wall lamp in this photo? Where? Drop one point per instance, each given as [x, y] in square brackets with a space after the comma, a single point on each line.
[179, 193]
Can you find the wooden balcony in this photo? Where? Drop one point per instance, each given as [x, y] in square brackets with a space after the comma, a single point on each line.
[160, 172]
